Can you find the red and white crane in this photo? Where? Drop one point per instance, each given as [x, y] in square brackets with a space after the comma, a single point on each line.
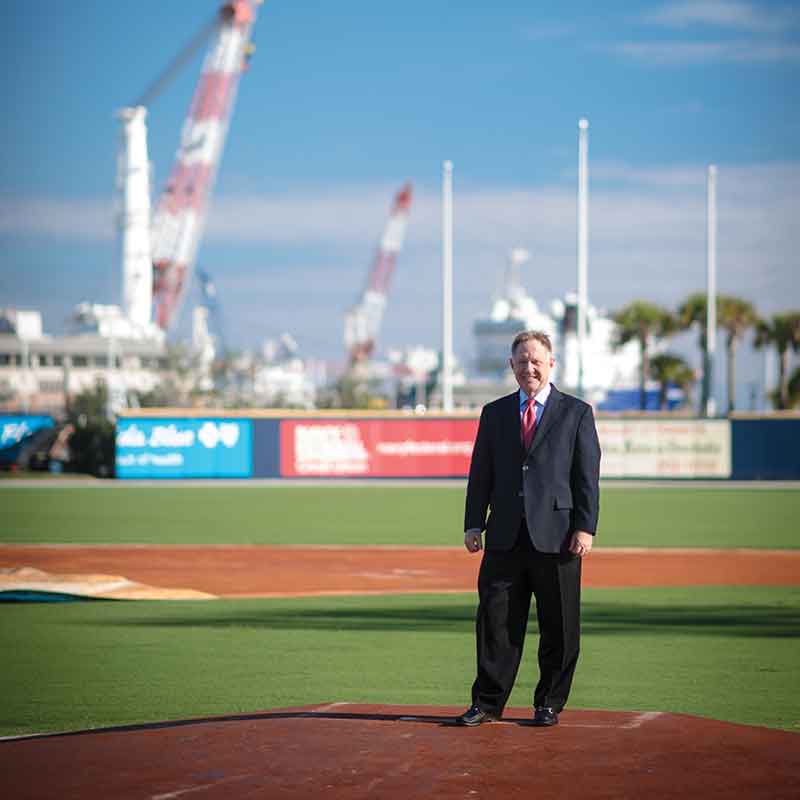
[180, 215]
[177, 226]
[363, 321]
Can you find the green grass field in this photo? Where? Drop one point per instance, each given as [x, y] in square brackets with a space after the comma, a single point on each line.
[721, 652]
[726, 652]
[377, 515]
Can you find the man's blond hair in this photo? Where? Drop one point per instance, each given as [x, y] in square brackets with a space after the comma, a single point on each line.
[527, 336]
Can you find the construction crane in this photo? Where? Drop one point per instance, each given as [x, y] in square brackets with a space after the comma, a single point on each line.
[179, 218]
[363, 321]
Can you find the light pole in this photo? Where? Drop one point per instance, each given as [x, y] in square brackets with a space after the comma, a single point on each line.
[583, 243]
[447, 286]
[709, 406]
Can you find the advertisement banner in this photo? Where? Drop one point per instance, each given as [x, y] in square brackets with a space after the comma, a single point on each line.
[16, 430]
[641, 448]
[184, 448]
[377, 448]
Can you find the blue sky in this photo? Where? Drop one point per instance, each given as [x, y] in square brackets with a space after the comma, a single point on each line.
[344, 101]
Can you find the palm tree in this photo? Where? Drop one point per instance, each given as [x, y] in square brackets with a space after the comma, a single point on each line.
[783, 332]
[693, 312]
[794, 389]
[641, 321]
[735, 316]
[669, 369]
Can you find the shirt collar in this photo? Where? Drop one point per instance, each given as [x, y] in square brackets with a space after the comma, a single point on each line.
[540, 397]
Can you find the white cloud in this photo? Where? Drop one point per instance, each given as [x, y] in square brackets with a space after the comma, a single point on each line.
[56, 218]
[647, 239]
[761, 31]
[681, 52]
[725, 14]
[315, 215]
[618, 172]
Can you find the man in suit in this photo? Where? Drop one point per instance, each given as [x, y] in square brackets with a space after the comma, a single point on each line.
[535, 471]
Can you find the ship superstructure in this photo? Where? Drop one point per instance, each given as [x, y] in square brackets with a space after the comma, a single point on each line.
[610, 373]
[513, 310]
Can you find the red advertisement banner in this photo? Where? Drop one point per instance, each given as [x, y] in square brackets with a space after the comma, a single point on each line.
[377, 448]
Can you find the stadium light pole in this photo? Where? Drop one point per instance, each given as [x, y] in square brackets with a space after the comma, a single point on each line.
[447, 286]
[583, 243]
[711, 292]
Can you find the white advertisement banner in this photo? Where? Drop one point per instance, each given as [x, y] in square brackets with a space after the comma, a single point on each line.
[640, 448]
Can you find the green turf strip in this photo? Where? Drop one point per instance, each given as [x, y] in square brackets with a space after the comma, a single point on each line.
[725, 652]
[377, 515]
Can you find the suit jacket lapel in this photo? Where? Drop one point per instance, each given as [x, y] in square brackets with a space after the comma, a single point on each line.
[550, 415]
[512, 431]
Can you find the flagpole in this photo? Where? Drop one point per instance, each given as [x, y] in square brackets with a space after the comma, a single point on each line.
[583, 244]
[447, 286]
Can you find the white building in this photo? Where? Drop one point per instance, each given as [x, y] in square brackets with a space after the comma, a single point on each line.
[38, 373]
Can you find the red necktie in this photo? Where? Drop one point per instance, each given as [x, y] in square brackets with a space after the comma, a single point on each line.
[528, 423]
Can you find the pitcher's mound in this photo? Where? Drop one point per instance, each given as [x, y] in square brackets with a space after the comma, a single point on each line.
[344, 750]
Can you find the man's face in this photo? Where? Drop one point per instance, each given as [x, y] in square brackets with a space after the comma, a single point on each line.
[531, 364]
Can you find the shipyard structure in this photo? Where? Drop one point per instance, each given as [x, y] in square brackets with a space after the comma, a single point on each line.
[125, 346]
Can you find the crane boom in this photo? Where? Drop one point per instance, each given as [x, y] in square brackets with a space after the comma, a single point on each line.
[363, 321]
[180, 215]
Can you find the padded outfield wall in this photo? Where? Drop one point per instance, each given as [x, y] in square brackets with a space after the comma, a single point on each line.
[17, 430]
[169, 444]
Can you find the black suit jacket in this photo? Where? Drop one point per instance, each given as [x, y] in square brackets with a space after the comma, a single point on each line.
[560, 473]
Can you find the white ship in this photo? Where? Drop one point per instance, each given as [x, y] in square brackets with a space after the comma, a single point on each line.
[610, 374]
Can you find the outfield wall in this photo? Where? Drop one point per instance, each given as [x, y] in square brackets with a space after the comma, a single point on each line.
[766, 449]
[327, 445]
[16, 430]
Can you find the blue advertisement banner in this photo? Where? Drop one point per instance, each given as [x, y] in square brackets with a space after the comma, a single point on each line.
[16, 430]
[176, 447]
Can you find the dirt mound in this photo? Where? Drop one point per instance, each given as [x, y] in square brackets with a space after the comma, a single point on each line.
[343, 750]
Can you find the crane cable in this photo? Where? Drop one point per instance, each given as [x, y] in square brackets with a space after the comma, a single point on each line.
[167, 76]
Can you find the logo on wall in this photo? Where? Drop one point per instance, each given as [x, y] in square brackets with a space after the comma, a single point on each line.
[15, 432]
[226, 433]
[209, 435]
[330, 450]
[184, 448]
[376, 447]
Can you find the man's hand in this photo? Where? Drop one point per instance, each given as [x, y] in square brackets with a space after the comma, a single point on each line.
[472, 541]
[581, 543]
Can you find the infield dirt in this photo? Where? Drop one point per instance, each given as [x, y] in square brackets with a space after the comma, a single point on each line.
[265, 571]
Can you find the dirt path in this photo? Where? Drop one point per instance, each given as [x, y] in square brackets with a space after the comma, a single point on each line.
[240, 571]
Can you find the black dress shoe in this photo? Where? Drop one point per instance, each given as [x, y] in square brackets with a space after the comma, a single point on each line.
[474, 716]
[543, 717]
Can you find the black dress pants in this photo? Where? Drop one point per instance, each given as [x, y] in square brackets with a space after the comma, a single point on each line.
[506, 581]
